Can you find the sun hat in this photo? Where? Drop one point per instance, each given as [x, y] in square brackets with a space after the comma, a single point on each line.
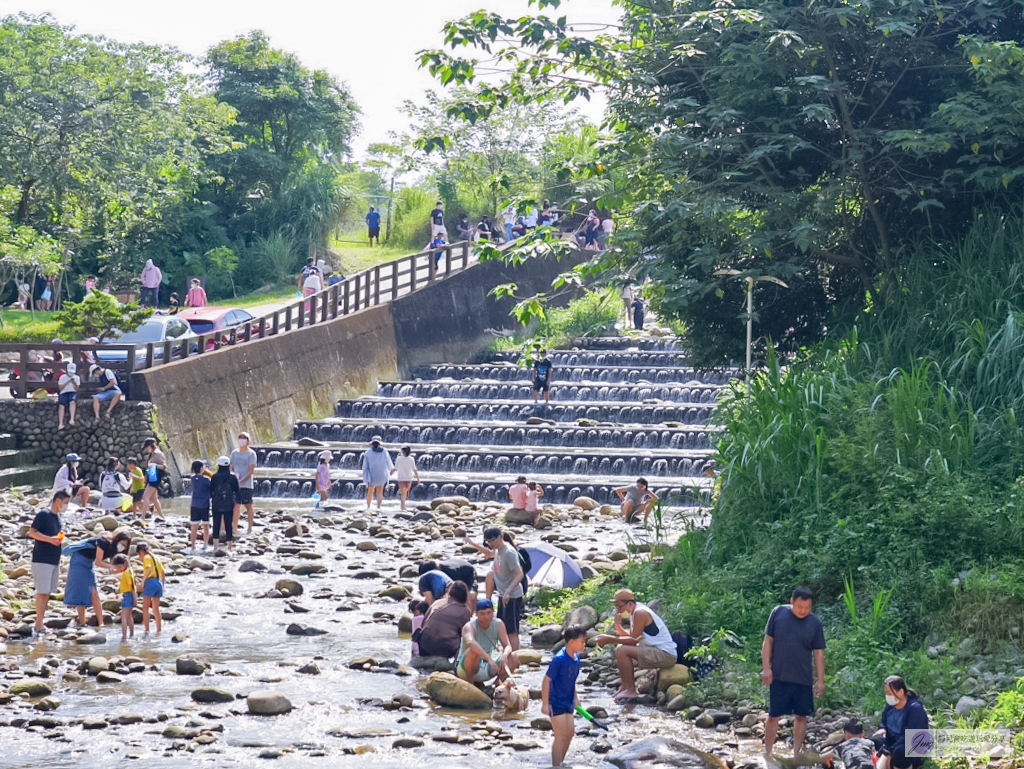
[623, 595]
[73, 457]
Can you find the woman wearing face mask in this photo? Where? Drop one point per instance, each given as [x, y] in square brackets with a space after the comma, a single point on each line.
[903, 711]
[377, 466]
[80, 590]
[68, 478]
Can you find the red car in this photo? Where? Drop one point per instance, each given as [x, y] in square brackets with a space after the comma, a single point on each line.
[210, 320]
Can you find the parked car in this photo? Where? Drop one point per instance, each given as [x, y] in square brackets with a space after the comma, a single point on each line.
[156, 329]
[210, 320]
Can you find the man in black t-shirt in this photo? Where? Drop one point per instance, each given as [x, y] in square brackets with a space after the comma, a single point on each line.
[437, 221]
[793, 638]
[542, 377]
[46, 531]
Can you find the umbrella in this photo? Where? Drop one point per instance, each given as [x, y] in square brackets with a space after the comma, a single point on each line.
[552, 567]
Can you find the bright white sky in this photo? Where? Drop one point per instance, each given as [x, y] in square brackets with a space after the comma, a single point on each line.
[370, 45]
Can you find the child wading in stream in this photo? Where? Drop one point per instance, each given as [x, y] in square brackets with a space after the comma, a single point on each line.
[128, 596]
[558, 692]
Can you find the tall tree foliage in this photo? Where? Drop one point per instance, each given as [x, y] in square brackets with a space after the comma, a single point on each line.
[811, 140]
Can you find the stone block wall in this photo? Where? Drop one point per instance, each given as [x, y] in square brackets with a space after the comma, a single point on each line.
[120, 435]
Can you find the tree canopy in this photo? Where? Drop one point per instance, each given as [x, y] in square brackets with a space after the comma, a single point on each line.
[811, 141]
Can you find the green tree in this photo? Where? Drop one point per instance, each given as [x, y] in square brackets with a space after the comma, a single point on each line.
[99, 315]
[809, 141]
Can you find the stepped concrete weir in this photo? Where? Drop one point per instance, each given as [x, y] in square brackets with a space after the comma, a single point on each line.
[474, 428]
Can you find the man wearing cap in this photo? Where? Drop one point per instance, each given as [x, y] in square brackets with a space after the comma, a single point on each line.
[109, 391]
[243, 465]
[508, 582]
[46, 531]
[647, 644]
[67, 397]
[377, 467]
[485, 651]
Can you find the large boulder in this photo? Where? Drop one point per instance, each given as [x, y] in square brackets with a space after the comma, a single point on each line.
[678, 674]
[190, 665]
[33, 687]
[518, 517]
[211, 694]
[288, 587]
[546, 636]
[662, 752]
[436, 502]
[451, 692]
[584, 616]
[587, 503]
[108, 522]
[267, 702]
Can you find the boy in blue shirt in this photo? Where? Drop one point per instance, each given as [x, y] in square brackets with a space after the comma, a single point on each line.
[200, 513]
[559, 691]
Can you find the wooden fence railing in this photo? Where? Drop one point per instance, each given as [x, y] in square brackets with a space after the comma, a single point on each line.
[33, 366]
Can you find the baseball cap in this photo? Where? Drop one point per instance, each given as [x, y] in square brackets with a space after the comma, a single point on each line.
[375, 439]
[484, 603]
[72, 369]
[223, 461]
[623, 595]
[73, 457]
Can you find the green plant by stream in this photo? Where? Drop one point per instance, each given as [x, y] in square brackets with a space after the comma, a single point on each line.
[882, 468]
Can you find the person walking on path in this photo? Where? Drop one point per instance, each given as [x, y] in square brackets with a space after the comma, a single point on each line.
[199, 512]
[486, 650]
[558, 692]
[156, 463]
[67, 477]
[903, 710]
[243, 465]
[626, 294]
[377, 466]
[152, 587]
[80, 589]
[373, 225]
[405, 467]
[152, 277]
[542, 370]
[508, 578]
[47, 532]
[638, 313]
[68, 384]
[109, 390]
[792, 638]
[647, 644]
[196, 296]
[437, 221]
[223, 498]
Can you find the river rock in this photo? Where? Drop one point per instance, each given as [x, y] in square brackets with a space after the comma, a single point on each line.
[436, 502]
[297, 628]
[367, 546]
[674, 691]
[584, 616]
[964, 705]
[305, 569]
[97, 665]
[289, 588]
[108, 522]
[518, 517]
[407, 742]
[607, 510]
[586, 503]
[661, 751]
[195, 562]
[394, 592]
[252, 565]
[676, 675]
[546, 636]
[94, 723]
[32, 687]
[47, 704]
[190, 665]
[90, 639]
[676, 703]
[309, 669]
[705, 720]
[267, 702]
[211, 694]
[439, 664]
[109, 677]
[405, 623]
[295, 530]
[449, 691]
[529, 656]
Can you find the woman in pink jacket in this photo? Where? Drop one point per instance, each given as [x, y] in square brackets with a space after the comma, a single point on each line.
[196, 296]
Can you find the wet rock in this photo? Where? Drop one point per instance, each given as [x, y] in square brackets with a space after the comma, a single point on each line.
[607, 510]
[179, 638]
[405, 623]
[47, 704]
[586, 503]
[252, 565]
[288, 587]
[90, 639]
[546, 636]
[676, 703]
[601, 746]
[424, 516]
[127, 719]
[190, 665]
[439, 664]
[270, 753]
[202, 564]
[305, 569]
[108, 522]
[362, 733]
[367, 546]
[394, 592]
[297, 628]
[32, 687]
[267, 702]
[346, 606]
[97, 665]
[540, 421]
[584, 616]
[90, 724]
[360, 663]
[518, 517]
[449, 691]
[673, 691]
[309, 669]
[436, 502]
[519, 745]
[210, 694]
[295, 530]
[405, 671]
[705, 720]
[529, 656]
[407, 742]
[542, 724]
[109, 677]
[662, 752]
[676, 675]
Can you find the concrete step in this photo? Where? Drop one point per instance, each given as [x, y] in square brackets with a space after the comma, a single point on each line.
[603, 358]
[691, 392]
[19, 458]
[35, 475]
[510, 372]
[8, 441]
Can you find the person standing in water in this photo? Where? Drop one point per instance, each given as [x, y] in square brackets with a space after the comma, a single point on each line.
[377, 466]
[323, 476]
[405, 466]
[542, 369]
[243, 465]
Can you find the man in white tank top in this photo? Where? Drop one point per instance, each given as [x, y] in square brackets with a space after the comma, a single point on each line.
[647, 644]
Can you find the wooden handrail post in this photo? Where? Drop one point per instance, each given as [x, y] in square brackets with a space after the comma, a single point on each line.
[167, 351]
[448, 261]
[367, 287]
[432, 266]
[394, 280]
[355, 292]
[412, 272]
[288, 317]
[347, 292]
[465, 255]
[376, 285]
[302, 312]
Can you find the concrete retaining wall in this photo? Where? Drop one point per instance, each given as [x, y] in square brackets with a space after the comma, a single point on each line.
[265, 386]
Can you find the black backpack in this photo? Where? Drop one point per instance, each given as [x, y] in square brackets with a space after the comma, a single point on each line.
[527, 564]
[683, 645]
[223, 495]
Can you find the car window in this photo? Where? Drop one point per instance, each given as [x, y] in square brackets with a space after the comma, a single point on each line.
[201, 326]
[176, 328]
[149, 331]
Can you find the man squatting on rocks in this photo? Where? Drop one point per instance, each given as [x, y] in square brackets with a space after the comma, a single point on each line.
[647, 645]
[791, 638]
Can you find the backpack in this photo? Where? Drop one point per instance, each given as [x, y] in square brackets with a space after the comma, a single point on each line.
[152, 473]
[526, 564]
[109, 485]
[222, 495]
[683, 645]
